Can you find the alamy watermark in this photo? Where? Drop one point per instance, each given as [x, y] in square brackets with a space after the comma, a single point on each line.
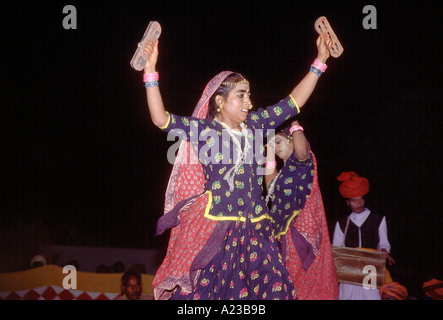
[70, 17]
[370, 281]
[70, 281]
[370, 20]
[219, 146]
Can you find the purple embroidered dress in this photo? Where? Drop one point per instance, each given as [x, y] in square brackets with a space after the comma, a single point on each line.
[241, 259]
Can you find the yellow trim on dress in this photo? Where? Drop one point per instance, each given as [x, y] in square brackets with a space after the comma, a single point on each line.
[295, 102]
[224, 218]
[167, 123]
[294, 214]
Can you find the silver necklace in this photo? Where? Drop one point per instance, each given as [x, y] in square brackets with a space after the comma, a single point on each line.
[241, 153]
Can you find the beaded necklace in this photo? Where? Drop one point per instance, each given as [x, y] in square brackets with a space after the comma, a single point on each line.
[241, 153]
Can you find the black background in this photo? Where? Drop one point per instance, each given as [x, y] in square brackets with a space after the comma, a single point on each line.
[81, 156]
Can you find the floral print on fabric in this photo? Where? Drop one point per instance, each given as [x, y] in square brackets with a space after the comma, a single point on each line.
[292, 188]
[217, 154]
[248, 266]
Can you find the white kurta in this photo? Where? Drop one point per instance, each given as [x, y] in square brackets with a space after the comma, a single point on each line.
[355, 292]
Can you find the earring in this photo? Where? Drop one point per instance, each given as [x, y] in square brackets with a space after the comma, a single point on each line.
[219, 108]
[250, 106]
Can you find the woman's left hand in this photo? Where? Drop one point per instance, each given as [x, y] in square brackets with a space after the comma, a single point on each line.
[323, 43]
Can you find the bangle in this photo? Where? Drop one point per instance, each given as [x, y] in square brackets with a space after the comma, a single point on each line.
[270, 164]
[150, 77]
[295, 128]
[319, 65]
[315, 71]
[151, 84]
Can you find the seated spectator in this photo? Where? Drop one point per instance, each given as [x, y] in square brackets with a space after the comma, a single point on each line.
[433, 289]
[132, 287]
[393, 291]
[38, 261]
[118, 267]
[102, 269]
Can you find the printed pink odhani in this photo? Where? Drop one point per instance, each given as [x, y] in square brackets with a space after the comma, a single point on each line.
[319, 281]
[192, 233]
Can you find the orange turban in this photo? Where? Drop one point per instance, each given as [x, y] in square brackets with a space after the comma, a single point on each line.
[352, 186]
[433, 289]
[394, 289]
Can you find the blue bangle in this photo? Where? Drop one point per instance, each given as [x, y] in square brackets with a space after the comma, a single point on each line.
[315, 71]
[151, 84]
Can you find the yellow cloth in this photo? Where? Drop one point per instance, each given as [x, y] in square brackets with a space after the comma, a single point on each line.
[52, 275]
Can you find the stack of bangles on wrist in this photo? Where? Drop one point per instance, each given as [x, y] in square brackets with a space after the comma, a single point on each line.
[295, 128]
[150, 79]
[271, 164]
[318, 68]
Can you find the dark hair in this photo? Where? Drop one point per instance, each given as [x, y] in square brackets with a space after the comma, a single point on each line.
[223, 90]
[129, 274]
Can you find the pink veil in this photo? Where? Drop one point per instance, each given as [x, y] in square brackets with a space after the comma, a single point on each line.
[319, 282]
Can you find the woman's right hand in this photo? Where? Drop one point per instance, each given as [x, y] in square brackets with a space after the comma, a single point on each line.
[152, 50]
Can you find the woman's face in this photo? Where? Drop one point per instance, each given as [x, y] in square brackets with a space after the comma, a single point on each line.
[236, 106]
[283, 146]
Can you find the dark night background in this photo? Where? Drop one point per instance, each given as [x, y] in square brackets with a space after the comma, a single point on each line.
[82, 163]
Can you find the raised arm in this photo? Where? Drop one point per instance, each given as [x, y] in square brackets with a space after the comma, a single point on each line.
[301, 144]
[155, 102]
[306, 86]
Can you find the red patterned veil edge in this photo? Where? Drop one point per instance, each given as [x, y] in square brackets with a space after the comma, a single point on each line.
[189, 237]
[319, 281]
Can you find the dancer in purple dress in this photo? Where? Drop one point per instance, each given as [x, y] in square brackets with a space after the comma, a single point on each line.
[222, 242]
